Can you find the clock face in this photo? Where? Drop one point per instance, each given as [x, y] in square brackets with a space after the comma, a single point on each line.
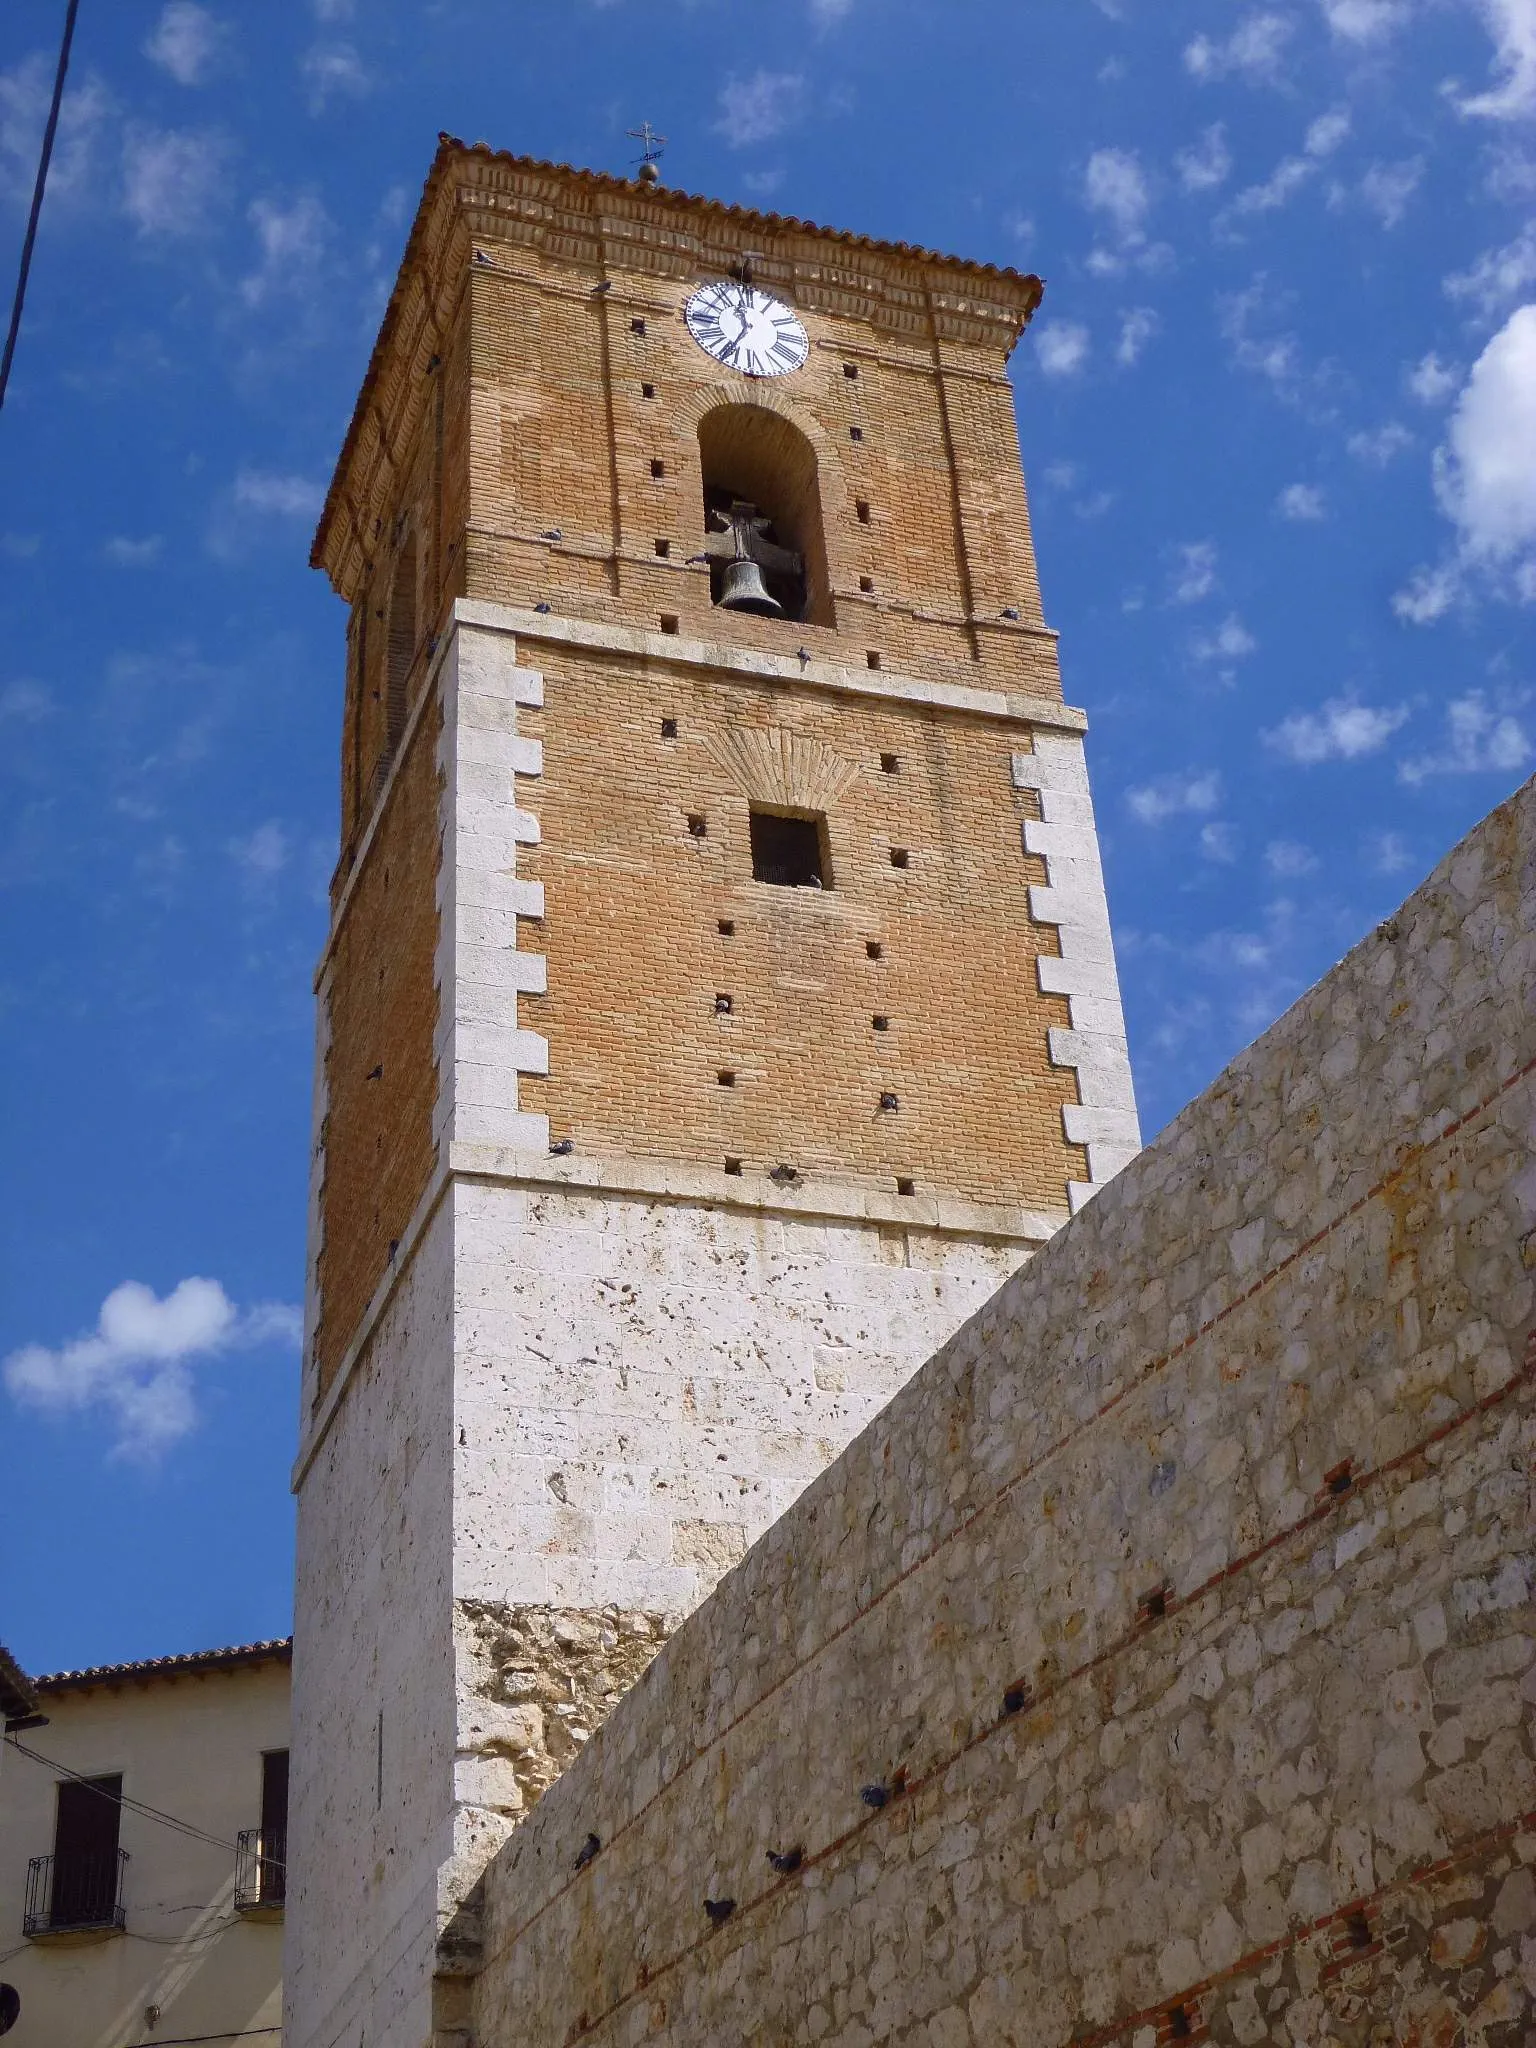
[746, 330]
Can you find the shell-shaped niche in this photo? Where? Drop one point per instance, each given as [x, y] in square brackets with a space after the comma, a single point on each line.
[772, 766]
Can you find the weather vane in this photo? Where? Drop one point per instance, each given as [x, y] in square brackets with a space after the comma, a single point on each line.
[651, 145]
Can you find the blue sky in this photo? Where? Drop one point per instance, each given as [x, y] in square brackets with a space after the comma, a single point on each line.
[1279, 419]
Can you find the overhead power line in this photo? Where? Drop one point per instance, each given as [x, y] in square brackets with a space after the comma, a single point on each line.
[37, 197]
[154, 1813]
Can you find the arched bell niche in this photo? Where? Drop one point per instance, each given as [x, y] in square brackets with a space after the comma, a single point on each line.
[751, 456]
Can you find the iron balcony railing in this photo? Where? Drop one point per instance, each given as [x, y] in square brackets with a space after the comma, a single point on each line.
[76, 1893]
[261, 1868]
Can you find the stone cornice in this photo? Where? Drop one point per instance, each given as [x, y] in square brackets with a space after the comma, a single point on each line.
[592, 221]
[889, 685]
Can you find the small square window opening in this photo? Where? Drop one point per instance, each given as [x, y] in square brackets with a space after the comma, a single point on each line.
[855, 433]
[663, 548]
[726, 1078]
[733, 1166]
[879, 1023]
[696, 826]
[658, 467]
[861, 507]
[890, 764]
[669, 622]
[647, 390]
[637, 326]
[850, 370]
[866, 583]
[904, 1186]
[723, 1006]
[669, 728]
[727, 927]
[900, 858]
[872, 658]
[789, 849]
[873, 949]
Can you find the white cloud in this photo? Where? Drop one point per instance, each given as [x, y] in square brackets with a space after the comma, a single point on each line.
[287, 497]
[1288, 858]
[170, 179]
[1252, 51]
[1302, 502]
[1218, 842]
[1327, 132]
[132, 554]
[263, 853]
[1274, 357]
[1428, 594]
[1386, 189]
[1230, 642]
[332, 69]
[185, 41]
[26, 702]
[1343, 730]
[1202, 169]
[1379, 446]
[1323, 137]
[292, 241]
[1485, 476]
[756, 109]
[1172, 795]
[1480, 739]
[1194, 576]
[1283, 182]
[1386, 852]
[1116, 186]
[1365, 21]
[136, 1365]
[1147, 257]
[1137, 328]
[25, 92]
[1499, 276]
[334, 10]
[825, 12]
[1430, 381]
[1512, 24]
[1062, 347]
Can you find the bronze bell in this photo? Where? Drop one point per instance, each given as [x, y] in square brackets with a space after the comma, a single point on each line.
[742, 589]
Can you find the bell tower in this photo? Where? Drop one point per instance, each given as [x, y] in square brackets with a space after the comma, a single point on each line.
[719, 999]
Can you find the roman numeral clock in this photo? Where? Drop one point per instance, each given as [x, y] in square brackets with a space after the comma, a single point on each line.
[746, 329]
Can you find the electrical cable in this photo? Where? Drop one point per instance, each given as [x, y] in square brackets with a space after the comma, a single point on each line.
[37, 197]
[235, 2034]
[169, 1820]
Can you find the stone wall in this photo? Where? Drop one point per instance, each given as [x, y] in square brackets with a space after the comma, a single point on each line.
[643, 1385]
[371, 1793]
[1158, 1665]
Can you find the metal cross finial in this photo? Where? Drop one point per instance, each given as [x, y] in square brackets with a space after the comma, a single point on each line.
[650, 142]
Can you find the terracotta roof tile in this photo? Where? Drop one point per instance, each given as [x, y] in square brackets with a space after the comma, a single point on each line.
[279, 1649]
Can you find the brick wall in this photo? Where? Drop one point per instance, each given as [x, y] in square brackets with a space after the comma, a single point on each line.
[634, 902]
[575, 410]
[1160, 1664]
[381, 1077]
